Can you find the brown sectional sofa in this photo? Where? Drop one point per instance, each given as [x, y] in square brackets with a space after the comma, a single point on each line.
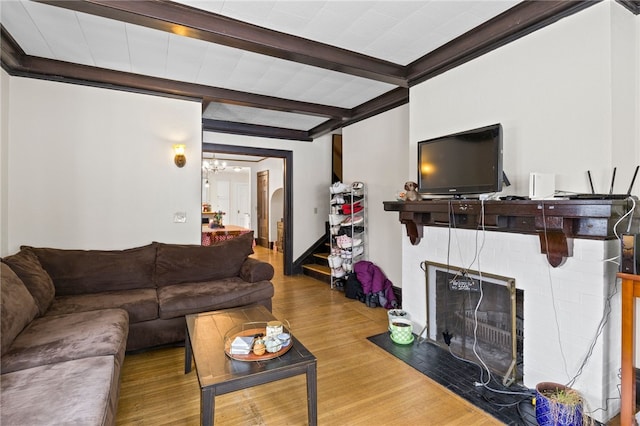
[68, 316]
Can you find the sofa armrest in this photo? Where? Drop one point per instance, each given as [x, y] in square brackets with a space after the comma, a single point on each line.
[254, 270]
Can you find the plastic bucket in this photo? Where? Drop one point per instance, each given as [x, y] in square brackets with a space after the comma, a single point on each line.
[395, 314]
[552, 413]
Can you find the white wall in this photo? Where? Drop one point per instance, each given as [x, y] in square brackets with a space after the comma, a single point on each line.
[374, 151]
[625, 81]
[93, 168]
[96, 169]
[311, 180]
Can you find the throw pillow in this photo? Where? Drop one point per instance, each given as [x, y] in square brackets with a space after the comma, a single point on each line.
[27, 267]
[17, 307]
[179, 263]
[95, 271]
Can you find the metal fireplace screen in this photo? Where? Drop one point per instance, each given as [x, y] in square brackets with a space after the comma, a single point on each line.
[476, 316]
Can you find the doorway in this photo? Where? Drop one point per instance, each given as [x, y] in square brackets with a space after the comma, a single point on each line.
[287, 213]
[262, 187]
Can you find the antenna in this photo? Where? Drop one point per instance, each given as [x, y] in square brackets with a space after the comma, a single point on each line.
[633, 180]
[505, 179]
[590, 182]
[613, 179]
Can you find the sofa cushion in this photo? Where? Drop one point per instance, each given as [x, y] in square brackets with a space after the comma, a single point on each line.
[52, 339]
[17, 307]
[94, 271]
[26, 265]
[77, 392]
[141, 305]
[177, 263]
[183, 299]
[254, 270]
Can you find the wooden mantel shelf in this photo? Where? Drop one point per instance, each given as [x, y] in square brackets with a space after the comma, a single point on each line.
[556, 222]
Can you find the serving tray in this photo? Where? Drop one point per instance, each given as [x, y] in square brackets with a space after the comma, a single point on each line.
[251, 329]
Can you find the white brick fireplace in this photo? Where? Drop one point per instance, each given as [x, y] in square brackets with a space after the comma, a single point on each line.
[579, 288]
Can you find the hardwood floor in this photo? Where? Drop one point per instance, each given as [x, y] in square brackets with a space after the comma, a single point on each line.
[358, 383]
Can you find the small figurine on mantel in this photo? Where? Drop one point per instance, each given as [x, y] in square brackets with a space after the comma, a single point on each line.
[412, 191]
[216, 220]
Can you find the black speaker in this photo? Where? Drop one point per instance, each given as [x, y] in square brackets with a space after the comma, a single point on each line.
[630, 254]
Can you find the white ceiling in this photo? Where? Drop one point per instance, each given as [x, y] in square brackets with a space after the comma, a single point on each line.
[394, 31]
[265, 117]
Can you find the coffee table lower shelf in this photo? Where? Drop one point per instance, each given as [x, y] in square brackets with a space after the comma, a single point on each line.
[218, 374]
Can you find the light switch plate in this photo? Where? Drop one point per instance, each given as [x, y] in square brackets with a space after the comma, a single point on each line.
[180, 217]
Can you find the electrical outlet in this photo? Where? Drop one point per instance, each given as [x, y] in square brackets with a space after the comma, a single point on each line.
[179, 217]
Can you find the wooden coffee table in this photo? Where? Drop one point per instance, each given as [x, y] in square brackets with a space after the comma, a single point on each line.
[219, 374]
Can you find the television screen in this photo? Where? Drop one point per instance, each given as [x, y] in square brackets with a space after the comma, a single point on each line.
[462, 163]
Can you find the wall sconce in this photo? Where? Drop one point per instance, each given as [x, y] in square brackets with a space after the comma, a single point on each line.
[179, 158]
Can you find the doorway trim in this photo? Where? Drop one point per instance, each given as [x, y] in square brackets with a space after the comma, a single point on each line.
[263, 210]
[287, 156]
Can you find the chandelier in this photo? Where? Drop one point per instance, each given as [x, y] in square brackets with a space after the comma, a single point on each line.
[213, 166]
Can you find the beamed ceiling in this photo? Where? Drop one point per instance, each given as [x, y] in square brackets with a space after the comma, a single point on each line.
[274, 68]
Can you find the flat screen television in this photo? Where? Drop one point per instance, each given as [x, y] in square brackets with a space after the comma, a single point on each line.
[463, 163]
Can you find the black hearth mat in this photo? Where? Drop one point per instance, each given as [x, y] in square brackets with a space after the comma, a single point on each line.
[460, 377]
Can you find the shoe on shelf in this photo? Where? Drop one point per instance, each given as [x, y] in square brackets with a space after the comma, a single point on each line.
[337, 199]
[338, 272]
[352, 208]
[348, 199]
[338, 188]
[357, 251]
[357, 189]
[355, 242]
[352, 220]
[335, 219]
[344, 241]
[341, 240]
[349, 230]
[335, 261]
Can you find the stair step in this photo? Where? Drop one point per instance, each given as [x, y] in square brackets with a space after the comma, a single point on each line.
[323, 256]
[321, 269]
[319, 272]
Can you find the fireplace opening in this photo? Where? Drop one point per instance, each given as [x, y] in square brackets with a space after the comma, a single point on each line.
[478, 316]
